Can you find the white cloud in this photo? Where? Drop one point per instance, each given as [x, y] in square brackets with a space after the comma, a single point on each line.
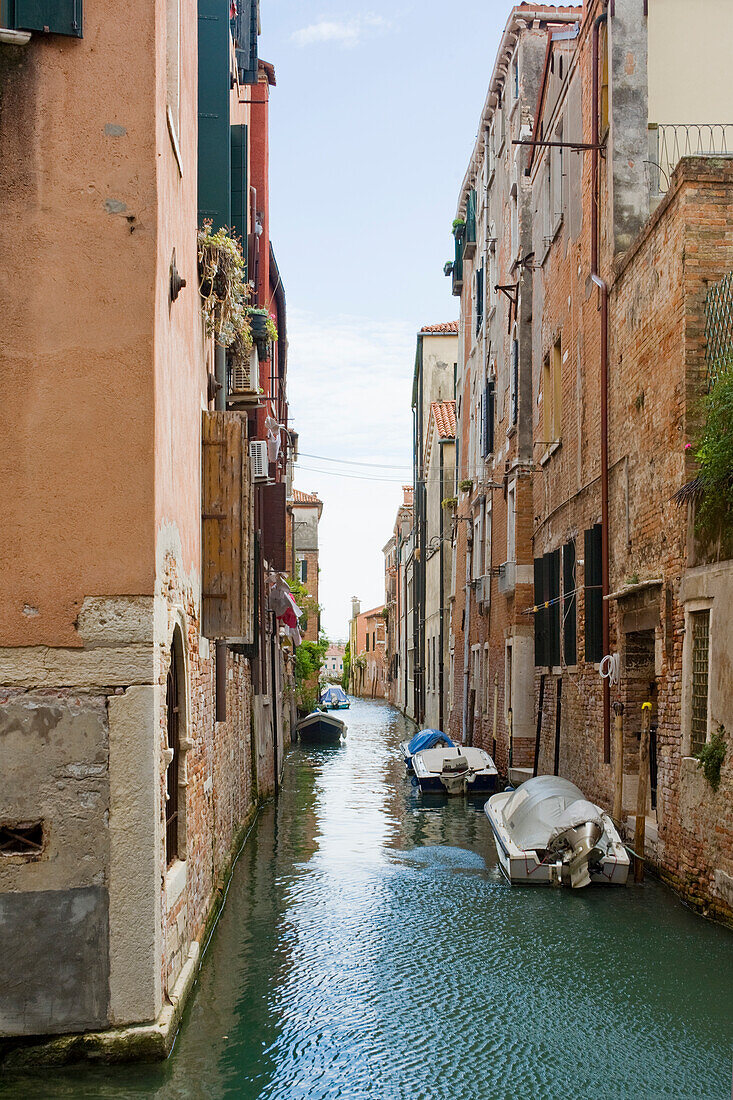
[349, 389]
[343, 32]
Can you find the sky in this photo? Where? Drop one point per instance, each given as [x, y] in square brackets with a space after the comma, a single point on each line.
[372, 124]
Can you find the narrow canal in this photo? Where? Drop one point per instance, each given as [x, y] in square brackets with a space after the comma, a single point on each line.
[370, 948]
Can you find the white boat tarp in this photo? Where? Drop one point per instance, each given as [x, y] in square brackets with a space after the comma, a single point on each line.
[536, 808]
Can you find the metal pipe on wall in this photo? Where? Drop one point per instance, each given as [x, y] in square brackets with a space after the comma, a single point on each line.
[603, 291]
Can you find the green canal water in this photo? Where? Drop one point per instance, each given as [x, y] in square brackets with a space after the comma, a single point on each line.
[369, 948]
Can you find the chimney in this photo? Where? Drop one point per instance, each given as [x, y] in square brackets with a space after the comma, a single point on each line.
[355, 606]
[407, 495]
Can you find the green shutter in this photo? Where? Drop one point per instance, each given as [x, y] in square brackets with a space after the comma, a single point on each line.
[240, 186]
[593, 595]
[48, 16]
[244, 29]
[214, 152]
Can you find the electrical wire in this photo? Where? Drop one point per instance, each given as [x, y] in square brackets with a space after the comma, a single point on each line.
[352, 462]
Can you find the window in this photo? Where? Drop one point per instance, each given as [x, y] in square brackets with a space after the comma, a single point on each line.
[515, 78]
[22, 839]
[514, 226]
[487, 536]
[499, 125]
[367, 642]
[488, 413]
[479, 293]
[172, 774]
[700, 622]
[302, 570]
[558, 182]
[569, 629]
[61, 17]
[510, 522]
[552, 394]
[477, 557]
[593, 595]
[514, 380]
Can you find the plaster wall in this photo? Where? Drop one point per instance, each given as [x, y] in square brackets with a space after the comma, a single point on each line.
[684, 42]
[78, 188]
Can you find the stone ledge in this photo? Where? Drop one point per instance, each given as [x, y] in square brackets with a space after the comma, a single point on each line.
[106, 666]
[141, 1042]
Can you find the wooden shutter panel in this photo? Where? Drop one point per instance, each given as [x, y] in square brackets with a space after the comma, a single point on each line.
[49, 16]
[552, 588]
[593, 595]
[273, 525]
[227, 548]
[244, 29]
[540, 656]
[569, 603]
[214, 139]
[240, 187]
[491, 415]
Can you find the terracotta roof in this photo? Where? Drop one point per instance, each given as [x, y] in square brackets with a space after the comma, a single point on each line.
[446, 327]
[444, 414]
[305, 498]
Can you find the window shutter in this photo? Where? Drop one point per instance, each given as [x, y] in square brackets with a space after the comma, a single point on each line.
[227, 567]
[491, 415]
[49, 16]
[540, 657]
[273, 525]
[214, 139]
[303, 571]
[515, 382]
[240, 187]
[552, 592]
[244, 31]
[569, 603]
[593, 595]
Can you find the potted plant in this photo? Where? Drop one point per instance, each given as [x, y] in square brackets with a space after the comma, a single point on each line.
[222, 286]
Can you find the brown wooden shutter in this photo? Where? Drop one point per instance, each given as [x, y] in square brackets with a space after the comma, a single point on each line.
[273, 526]
[226, 490]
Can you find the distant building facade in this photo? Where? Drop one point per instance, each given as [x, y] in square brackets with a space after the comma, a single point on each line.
[333, 663]
[305, 511]
[368, 643]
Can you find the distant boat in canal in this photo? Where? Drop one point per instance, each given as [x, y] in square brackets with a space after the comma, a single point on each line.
[322, 728]
[546, 831]
[334, 697]
[455, 769]
[425, 739]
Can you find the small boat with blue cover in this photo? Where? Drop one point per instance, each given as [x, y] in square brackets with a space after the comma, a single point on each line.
[334, 697]
[425, 739]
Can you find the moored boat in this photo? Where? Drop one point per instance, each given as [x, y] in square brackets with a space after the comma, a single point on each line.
[321, 727]
[425, 739]
[456, 769]
[334, 697]
[546, 831]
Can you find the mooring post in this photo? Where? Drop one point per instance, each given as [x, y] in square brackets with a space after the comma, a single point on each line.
[640, 831]
[618, 763]
[496, 709]
[539, 725]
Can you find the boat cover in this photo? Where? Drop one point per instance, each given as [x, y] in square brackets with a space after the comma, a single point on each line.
[428, 739]
[536, 808]
[334, 694]
[579, 812]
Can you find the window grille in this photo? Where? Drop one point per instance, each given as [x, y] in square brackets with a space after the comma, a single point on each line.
[22, 840]
[719, 327]
[700, 664]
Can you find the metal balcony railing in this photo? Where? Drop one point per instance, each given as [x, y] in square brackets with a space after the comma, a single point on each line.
[669, 142]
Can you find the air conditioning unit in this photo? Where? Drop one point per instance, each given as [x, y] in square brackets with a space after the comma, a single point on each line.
[507, 577]
[245, 376]
[259, 460]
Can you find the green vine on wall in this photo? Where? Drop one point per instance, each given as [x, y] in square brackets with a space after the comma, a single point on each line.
[711, 756]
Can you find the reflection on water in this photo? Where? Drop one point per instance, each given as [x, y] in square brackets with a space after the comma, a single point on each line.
[370, 948]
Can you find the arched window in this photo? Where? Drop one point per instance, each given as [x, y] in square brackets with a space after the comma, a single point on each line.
[177, 744]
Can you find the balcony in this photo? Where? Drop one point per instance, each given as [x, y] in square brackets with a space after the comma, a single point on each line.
[670, 142]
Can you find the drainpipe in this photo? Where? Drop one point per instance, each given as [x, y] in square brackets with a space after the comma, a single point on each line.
[603, 292]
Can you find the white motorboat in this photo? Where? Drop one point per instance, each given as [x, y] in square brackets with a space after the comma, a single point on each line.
[547, 831]
[456, 769]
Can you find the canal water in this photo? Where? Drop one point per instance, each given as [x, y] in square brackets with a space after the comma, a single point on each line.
[369, 948]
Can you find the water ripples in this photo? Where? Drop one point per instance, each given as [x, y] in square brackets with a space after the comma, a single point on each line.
[370, 950]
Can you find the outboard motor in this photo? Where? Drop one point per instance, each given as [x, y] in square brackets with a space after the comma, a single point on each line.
[574, 838]
[454, 773]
